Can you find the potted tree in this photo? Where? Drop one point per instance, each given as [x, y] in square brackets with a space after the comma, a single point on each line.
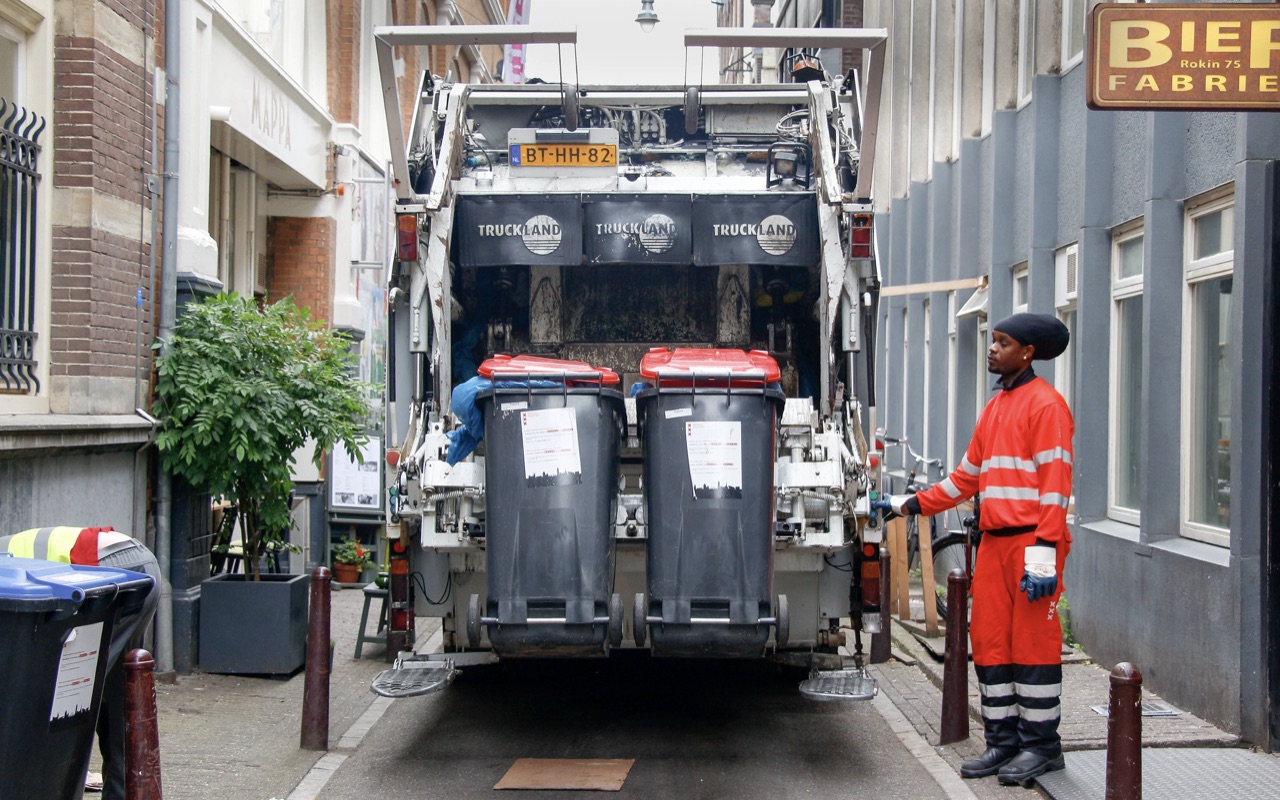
[349, 559]
[240, 389]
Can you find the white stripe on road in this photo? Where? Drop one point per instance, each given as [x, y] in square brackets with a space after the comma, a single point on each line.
[947, 779]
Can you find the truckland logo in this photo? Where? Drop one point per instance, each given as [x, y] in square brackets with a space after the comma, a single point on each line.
[541, 234]
[776, 235]
[656, 234]
[1194, 56]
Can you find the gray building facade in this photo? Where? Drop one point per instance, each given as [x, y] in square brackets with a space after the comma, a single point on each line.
[1154, 236]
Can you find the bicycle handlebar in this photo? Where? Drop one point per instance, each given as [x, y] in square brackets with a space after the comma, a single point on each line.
[916, 457]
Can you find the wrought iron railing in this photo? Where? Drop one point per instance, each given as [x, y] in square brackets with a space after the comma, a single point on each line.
[20, 132]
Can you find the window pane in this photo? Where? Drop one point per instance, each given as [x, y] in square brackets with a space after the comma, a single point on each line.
[1067, 361]
[1130, 258]
[1211, 403]
[9, 70]
[1020, 290]
[1027, 41]
[1213, 233]
[1128, 390]
[1075, 27]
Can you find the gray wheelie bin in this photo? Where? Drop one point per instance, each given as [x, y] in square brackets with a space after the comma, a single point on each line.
[709, 422]
[552, 436]
[56, 622]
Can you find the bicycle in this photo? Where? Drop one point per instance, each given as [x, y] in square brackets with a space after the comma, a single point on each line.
[912, 486]
[952, 548]
[955, 550]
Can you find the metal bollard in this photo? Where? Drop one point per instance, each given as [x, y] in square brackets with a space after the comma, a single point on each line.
[315, 689]
[955, 668]
[882, 642]
[1124, 734]
[141, 727]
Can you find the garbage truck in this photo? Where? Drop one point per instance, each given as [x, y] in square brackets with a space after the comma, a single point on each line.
[629, 380]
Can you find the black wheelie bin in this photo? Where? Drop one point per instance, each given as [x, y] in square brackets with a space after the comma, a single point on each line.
[56, 622]
[552, 438]
[709, 424]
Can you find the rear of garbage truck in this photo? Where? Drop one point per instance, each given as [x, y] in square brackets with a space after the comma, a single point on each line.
[629, 381]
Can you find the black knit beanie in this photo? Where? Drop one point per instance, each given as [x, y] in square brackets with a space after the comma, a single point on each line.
[1044, 332]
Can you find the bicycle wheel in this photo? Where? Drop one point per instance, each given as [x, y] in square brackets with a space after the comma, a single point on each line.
[913, 542]
[948, 554]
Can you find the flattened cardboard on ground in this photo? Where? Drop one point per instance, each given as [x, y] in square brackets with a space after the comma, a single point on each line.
[599, 774]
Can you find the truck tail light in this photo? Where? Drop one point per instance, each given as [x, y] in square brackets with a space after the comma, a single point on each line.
[860, 238]
[407, 237]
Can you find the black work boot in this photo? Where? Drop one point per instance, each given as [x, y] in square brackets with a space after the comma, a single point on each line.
[1027, 766]
[989, 763]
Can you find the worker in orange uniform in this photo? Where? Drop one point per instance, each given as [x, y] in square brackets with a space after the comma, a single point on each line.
[1019, 464]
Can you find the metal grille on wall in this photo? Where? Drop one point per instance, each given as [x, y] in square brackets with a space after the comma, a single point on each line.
[19, 183]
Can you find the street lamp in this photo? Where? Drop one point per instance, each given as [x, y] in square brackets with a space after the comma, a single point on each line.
[647, 16]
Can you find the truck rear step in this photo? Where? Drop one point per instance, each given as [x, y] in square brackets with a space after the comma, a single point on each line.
[410, 678]
[840, 684]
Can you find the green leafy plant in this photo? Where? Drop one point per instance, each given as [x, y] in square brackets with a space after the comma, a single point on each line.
[240, 388]
[350, 552]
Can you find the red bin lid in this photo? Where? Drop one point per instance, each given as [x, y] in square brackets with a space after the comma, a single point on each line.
[689, 362]
[549, 368]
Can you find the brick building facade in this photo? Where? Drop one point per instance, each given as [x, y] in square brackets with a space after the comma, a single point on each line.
[280, 190]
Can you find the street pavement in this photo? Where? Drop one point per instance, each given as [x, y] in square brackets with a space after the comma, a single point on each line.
[234, 736]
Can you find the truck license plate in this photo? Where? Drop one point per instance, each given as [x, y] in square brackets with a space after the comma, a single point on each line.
[564, 155]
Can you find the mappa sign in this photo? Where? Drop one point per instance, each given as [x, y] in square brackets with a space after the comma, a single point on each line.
[1194, 56]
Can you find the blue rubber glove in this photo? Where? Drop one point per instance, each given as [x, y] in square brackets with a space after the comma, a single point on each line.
[1040, 578]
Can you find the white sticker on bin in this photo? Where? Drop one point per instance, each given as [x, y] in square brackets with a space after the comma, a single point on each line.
[674, 413]
[77, 671]
[550, 438]
[715, 457]
[521, 406]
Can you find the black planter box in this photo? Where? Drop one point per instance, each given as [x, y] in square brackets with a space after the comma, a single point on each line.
[253, 627]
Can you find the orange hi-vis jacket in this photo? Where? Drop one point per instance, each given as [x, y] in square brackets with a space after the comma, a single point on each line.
[1018, 462]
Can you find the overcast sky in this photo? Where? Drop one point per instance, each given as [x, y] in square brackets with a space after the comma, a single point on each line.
[613, 50]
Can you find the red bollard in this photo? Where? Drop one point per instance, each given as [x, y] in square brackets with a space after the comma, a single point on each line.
[141, 728]
[1124, 734]
[955, 667]
[315, 688]
[882, 642]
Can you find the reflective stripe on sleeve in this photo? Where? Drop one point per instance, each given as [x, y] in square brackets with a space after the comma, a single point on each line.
[1056, 454]
[1054, 499]
[969, 468]
[950, 488]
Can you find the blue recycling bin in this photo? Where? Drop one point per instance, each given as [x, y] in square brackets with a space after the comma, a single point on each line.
[56, 622]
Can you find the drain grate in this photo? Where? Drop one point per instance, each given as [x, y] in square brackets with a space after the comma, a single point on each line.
[1149, 709]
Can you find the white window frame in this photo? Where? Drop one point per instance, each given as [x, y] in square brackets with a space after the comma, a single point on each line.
[1121, 289]
[1198, 271]
[19, 39]
[1064, 261]
[1069, 9]
[928, 384]
[985, 379]
[1026, 50]
[952, 399]
[1021, 286]
[988, 65]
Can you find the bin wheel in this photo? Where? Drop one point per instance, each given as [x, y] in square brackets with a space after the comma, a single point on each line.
[638, 626]
[615, 620]
[473, 621]
[783, 632]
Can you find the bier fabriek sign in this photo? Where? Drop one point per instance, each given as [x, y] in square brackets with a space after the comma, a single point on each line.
[1192, 56]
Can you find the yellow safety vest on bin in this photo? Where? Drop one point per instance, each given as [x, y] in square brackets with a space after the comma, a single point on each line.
[46, 544]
